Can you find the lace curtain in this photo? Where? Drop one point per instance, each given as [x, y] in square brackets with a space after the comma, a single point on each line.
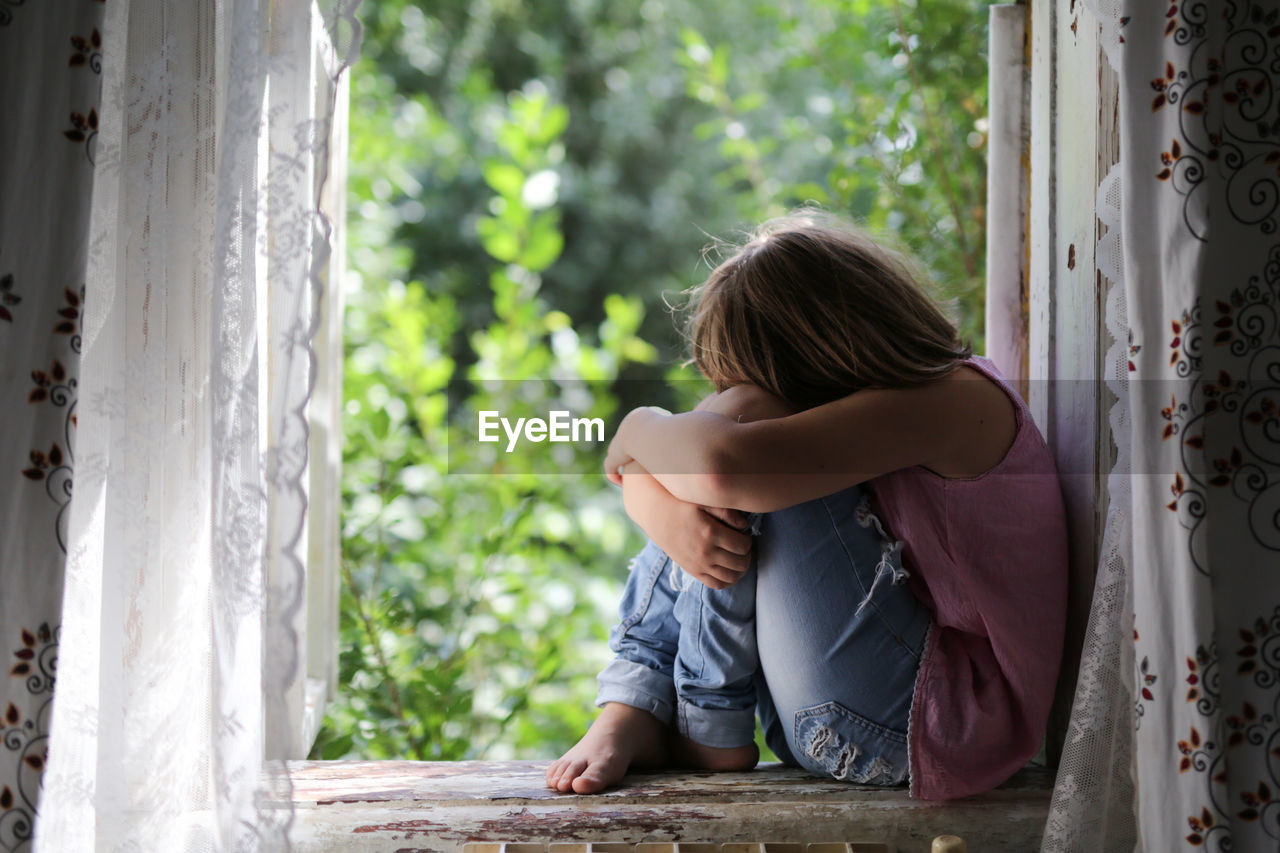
[1182, 666]
[179, 661]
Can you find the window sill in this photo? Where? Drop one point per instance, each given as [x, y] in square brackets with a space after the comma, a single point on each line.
[403, 806]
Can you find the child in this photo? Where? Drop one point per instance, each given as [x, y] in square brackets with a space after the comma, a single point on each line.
[847, 409]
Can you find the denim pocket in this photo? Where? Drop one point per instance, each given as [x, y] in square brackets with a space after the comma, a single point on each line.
[645, 570]
[831, 740]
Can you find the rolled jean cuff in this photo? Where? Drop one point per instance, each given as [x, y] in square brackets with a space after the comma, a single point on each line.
[639, 686]
[722, 728]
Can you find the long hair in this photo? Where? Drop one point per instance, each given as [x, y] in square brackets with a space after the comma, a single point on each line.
[812, 309]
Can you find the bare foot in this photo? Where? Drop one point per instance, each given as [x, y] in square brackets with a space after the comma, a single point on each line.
[621, 737]
[689, 753]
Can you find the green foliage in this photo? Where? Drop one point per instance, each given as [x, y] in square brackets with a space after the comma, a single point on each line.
[530, 186]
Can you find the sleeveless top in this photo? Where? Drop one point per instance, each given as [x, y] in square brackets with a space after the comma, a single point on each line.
[988, 556]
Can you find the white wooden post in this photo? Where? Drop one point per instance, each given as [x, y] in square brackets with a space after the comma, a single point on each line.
[1073, 142]
[324, 543]
[1008, 165]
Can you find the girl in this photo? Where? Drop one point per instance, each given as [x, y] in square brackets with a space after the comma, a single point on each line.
[860, 538]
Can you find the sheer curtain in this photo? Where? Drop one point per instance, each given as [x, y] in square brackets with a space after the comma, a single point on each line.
[1183, 667]
[180, 660]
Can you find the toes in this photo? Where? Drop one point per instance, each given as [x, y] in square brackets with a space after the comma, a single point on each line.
[553, 772]
[572, 771]
[589, 783]
[598, 776]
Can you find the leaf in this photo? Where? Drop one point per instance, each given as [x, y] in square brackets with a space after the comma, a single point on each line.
[5, 315]
[545, 243]
[6, 798]
[65, 328]
[73, 135]
[33, 474]
[498, 239]
[58, 371]
[1158, 102]
[1176, 150]
[1194, 107]
[11, 714]
[504, 178]
[1164, 174]
[27, 638]
[55, 454]
[36, 395]
[1247, 814]
[35, 762]
[76, 60]
[72, 298]
[24, 654]
[20, 669]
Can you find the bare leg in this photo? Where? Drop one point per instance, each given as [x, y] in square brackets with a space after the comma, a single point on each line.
[695, 756]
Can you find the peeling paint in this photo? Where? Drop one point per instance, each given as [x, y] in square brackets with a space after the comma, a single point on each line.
[416, 807]
[409, 826]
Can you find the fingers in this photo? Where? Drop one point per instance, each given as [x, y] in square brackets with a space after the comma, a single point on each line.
[732, 517]
[718, 575]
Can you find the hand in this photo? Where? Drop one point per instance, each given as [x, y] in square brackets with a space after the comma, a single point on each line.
[702, 541]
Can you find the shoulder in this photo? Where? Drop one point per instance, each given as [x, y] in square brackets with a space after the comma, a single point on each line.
[982, 417]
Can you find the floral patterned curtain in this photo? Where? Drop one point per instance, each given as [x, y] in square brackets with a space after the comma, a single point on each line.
[1194, 532]
[50, 62]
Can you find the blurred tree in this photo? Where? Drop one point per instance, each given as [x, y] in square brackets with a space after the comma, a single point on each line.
[531, 185]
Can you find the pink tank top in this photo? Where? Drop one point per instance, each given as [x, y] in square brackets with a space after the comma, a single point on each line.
[988, 555]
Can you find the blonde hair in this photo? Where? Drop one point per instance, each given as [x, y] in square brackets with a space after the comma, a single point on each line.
[812, 309]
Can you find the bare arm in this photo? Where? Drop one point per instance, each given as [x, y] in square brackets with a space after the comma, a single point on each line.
[706, 542]
[707, 458]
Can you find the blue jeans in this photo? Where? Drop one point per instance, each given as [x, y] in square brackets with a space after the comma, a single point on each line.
[821, 637]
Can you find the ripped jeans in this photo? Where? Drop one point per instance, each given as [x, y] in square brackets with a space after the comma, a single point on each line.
[821, 637]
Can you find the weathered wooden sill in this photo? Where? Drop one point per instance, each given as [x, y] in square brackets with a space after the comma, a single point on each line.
[408, 806]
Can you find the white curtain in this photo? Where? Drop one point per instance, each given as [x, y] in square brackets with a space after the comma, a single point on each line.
[180, 660]
[1186, 621]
